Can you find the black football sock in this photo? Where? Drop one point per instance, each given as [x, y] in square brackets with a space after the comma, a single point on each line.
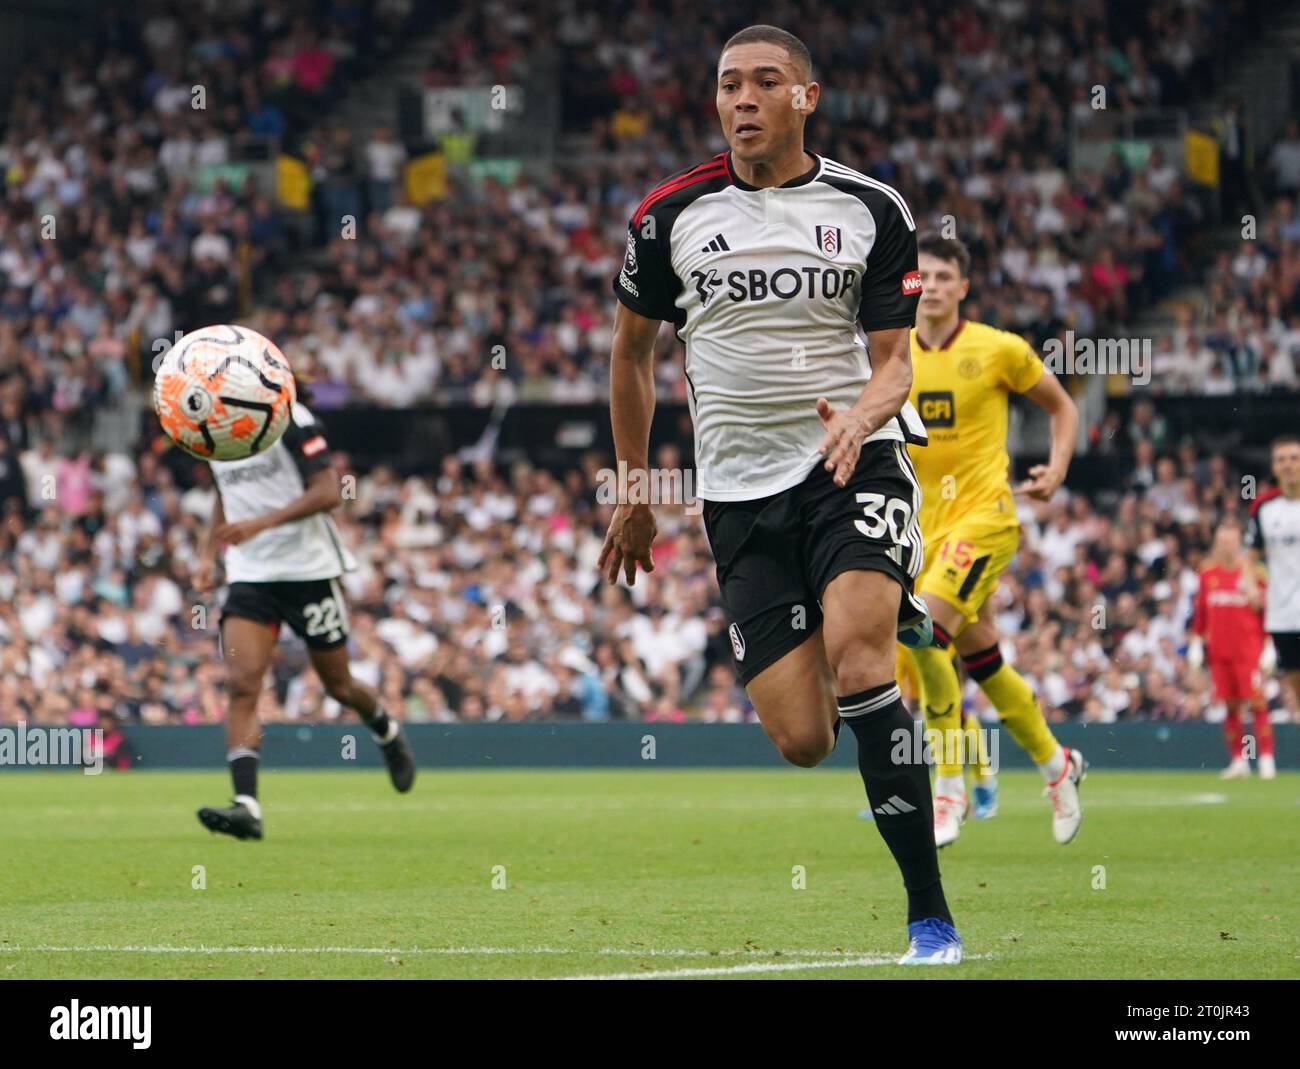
[243, 773]
[898, 788]
[378, 721]
[381, 724]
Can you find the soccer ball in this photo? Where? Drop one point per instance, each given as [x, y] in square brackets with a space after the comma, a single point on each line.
[224, 393]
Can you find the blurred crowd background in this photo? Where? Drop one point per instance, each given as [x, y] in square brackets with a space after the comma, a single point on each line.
[478, 596]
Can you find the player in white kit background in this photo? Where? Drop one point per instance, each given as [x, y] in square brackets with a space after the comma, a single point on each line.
[1274, 532]
[771, 262]
[283, 558]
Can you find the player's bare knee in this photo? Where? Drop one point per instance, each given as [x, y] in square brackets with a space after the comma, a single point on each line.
[244, 689]
[805, 749]
[861, 657]
[859, 664]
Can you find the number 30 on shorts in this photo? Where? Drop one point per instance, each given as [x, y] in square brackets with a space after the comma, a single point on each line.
[883, 514]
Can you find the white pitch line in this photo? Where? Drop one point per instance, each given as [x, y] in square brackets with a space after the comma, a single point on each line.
[627, 952]
[861, 960]
[848, 805]
[738, 970]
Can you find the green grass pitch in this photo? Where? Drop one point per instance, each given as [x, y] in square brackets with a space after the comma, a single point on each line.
[641, 873]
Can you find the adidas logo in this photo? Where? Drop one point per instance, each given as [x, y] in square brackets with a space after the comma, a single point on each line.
[895, 807]
[718, 244]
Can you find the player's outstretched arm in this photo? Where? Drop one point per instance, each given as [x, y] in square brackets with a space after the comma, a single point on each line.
[1049, 395]
[880, 401]
[322, 494]
[631, 407]
[205, 568]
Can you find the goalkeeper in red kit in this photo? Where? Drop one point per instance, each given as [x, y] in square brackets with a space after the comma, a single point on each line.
[1228, 625]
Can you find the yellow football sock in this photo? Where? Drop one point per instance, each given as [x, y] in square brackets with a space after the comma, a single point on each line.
[975, 746]
[909, 683]
[941, 702]
[1017, 707]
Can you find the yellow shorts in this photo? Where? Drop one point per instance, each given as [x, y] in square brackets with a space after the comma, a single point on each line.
[962, 564]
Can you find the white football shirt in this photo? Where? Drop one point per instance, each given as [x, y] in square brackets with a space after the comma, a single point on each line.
[1275, 531]
[767, 289]
[310, 548]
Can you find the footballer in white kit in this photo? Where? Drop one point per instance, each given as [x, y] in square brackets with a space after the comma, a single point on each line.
[283, 558]
[792, 280]
[1274, 531]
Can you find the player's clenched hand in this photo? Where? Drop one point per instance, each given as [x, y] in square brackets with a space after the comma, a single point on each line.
[204, 573]
[629, 542]
[234, 533]
[1042, 482]
[842, 445]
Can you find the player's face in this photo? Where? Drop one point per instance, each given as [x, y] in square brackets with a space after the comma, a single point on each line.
[942, 287]
[1286, 464]
[762, 101]
[1227, 542]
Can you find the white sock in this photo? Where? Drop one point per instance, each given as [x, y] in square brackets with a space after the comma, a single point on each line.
[949, 787]
[249, 803]
[1054, 767]
[393, 728]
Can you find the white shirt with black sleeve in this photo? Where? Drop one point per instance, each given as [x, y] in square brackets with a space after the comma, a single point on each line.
[1274, 530]
[771, 291]
[310, 548]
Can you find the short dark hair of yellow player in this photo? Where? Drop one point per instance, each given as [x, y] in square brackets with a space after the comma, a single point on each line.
[950, 250]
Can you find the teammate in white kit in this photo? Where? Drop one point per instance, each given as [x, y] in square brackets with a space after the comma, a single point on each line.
[1275, 532]
[282, 561]
[767, 259]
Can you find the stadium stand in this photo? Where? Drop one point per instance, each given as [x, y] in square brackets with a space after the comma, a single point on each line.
[477, 596]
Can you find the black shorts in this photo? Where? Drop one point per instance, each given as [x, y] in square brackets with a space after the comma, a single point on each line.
[1287, 644]
[314, 608]
[776, 555]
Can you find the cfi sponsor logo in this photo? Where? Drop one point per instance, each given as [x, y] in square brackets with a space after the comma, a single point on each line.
[737, 642]
[911, 283]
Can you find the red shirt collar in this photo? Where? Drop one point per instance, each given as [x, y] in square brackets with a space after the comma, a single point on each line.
[950, 339]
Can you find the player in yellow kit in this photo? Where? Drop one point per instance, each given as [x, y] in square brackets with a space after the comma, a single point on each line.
[962, 376]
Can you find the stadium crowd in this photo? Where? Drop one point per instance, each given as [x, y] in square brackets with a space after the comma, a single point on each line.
[973, 132]
[118, 224]
[967, 111]
[1242, 333]
[477, 598]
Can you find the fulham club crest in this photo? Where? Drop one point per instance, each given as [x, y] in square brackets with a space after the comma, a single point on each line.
[737, 642]
[828, 240]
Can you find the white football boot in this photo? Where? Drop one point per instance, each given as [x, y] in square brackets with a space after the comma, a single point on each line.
[1067, 813]
[949, 813]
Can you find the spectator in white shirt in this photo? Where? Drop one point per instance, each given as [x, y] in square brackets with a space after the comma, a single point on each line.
[211, 244]
[384, 160]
